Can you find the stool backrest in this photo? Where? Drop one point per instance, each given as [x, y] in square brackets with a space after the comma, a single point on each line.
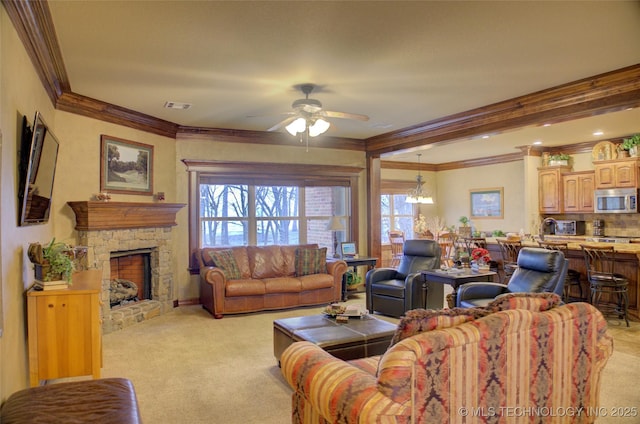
[599, 260]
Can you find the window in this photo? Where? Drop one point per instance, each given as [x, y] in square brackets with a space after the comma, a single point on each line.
[396, 214]
[241, 214]
[280, 204]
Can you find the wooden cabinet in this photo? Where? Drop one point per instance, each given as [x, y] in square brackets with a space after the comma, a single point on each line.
[578, 191]
[65, 335]
[550, 193]
[617, 173]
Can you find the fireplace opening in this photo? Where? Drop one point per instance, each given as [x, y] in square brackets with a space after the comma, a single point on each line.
[130, 280]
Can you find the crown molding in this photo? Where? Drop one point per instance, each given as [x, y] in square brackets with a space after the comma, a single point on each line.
[608, 92]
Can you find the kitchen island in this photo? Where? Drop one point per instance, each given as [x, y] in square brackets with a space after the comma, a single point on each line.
[627, 265]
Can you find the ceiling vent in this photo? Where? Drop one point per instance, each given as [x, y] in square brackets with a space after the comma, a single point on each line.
[177, 105]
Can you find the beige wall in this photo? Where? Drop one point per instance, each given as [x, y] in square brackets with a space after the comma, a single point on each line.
[451, 193]
[77, 178]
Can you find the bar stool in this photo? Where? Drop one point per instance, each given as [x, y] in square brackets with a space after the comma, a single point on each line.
[573, 277]
[509, 250]
[600, 263]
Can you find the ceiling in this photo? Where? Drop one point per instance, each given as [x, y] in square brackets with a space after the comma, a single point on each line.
[401, 63]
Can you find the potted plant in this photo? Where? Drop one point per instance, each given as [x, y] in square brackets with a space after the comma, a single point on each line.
[353, 280]
[465, 230]
[52, 262]
[631, 144]
[559, 159]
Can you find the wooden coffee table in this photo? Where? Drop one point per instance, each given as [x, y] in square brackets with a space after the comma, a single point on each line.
[359, 338]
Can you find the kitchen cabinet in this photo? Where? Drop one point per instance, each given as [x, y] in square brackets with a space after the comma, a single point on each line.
[64, 330]
[578, 190]
[617, 173]
[550, 193]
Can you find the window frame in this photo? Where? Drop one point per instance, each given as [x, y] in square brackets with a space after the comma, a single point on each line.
[266, 174]
[393, 188]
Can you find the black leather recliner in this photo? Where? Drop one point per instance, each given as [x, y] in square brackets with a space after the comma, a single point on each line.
[393, 291]
[539, 270]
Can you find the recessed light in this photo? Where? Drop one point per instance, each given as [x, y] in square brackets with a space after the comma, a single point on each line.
[177, 105]
[598, 133]
[546, 125]
[537, 142]
[484, 137]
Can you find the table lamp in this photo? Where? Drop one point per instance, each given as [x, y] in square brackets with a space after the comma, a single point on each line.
[335, 224]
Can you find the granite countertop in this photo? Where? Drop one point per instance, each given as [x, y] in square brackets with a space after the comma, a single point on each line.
[574, 243]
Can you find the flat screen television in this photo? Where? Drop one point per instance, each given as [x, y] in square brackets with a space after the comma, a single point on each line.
[37, 169]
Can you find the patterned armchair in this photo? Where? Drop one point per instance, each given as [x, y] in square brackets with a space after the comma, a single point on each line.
[444, 363]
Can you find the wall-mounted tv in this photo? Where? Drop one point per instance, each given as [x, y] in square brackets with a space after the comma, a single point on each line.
[37, 168]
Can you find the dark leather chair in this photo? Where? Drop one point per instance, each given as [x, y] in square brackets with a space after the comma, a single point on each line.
[393, 291]
[539, 270]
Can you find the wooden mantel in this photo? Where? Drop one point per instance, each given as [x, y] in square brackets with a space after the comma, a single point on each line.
[97, 215]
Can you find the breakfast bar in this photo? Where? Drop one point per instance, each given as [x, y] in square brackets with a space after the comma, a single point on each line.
[628, 262]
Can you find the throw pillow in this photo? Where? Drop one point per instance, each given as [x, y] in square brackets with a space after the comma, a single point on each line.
[224, 260]
[535, 302]
[418, 321]
[311, 261]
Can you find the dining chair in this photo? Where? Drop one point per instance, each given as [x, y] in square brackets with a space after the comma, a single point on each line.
[447, 242]
[471, 243]
[396, 239]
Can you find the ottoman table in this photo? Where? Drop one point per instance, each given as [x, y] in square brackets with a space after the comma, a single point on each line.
[359, 338]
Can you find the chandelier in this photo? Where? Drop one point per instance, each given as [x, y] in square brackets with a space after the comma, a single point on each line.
[313, 127]
[416, 195]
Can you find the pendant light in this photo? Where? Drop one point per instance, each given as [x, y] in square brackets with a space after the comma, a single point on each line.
[416, 195]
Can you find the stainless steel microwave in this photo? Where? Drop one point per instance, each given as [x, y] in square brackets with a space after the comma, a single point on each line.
[569, 228]
[616, 200]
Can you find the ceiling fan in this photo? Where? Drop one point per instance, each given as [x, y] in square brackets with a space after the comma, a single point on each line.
[308, 116]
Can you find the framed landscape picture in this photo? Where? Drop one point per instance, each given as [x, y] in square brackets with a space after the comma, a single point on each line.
[487, 203]
[125, 166]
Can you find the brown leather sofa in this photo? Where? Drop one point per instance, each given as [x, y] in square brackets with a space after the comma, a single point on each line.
[268, 280]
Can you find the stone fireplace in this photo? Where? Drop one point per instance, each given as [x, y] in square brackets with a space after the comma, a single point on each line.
[110, 228]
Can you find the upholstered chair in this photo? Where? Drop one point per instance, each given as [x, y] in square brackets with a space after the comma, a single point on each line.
[539, 270]
[393, 291]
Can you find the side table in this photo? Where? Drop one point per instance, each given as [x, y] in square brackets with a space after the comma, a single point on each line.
[455, 280]
[353, 263]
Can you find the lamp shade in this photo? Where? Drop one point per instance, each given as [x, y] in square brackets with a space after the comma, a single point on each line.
[335, 224]
[318, 127]
[297, 126]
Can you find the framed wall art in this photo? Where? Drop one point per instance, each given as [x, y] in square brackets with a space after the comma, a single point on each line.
[487, 203]
[125, 166]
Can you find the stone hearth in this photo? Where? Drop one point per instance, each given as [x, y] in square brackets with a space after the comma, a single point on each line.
[106, 227]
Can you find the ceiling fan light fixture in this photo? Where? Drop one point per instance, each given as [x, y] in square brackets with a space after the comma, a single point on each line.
[318, 127]
[297, 126]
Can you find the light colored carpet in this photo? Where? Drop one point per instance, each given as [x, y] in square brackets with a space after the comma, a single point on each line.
[190, 368]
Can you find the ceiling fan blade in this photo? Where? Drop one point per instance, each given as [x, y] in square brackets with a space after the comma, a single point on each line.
[344, 115]
[282, 123]
[270, 115]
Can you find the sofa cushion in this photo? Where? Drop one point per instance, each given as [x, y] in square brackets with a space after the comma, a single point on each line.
[311, 261]
[225, 260]
[418, 321]
[244, 287]
[289, 257]
[535, 302]
[266, 261]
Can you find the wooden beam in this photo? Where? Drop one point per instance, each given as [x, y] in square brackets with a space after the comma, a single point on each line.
[609, 92]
